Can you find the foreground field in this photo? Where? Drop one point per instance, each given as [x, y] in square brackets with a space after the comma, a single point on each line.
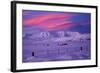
[49, 50]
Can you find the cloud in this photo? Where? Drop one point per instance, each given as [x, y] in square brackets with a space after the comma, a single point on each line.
[50, 21]
[77, 35]
[73, 36]
[40, 19]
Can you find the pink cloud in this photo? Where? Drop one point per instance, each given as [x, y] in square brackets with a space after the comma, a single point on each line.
[42, 18]
[50, 21]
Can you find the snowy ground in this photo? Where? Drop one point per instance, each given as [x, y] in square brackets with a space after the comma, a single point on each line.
[55, 50]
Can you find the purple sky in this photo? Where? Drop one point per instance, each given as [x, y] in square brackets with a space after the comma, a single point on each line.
[52, 21]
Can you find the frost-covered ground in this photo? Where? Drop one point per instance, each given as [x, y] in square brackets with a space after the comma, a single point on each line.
[50, 50]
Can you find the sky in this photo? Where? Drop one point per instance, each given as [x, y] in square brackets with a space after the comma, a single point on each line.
[54, 21]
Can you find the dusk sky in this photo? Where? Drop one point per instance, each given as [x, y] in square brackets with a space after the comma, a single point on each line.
[52, 21]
